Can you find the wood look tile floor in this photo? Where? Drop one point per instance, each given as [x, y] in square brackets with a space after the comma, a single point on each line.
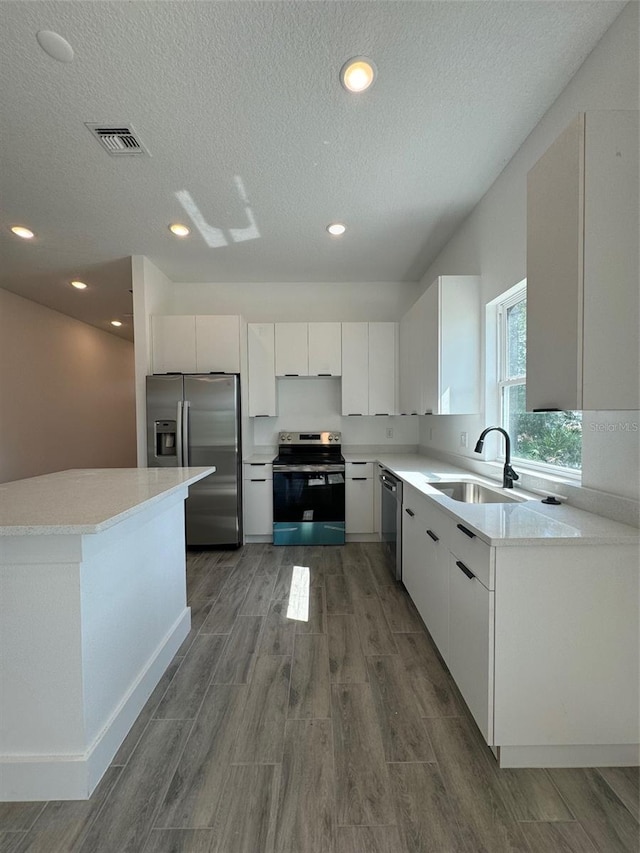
[308, 712]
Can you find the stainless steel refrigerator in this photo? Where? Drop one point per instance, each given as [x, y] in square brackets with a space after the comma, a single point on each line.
[195, 420]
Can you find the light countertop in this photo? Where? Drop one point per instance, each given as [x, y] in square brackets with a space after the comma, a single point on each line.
[526, 522]
[87, 500]
[260, 459]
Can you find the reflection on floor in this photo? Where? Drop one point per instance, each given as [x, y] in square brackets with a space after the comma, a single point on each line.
[308, 712]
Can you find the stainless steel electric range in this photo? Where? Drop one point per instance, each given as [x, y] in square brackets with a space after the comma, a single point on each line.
[308, 489]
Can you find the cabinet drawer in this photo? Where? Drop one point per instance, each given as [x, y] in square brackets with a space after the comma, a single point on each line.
[359, 469]
[476, 555]
[257, 471]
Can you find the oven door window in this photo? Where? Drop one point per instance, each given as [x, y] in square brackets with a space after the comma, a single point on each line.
[308, 496]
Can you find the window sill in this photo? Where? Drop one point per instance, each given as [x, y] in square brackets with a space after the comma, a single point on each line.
[559, 477]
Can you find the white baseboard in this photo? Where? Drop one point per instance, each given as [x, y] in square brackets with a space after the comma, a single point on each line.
[588, 755]
[74, 777]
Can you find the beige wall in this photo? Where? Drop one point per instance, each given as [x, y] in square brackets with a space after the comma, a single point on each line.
[67, 394]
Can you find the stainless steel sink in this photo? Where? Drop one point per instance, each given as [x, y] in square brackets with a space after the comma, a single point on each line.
[469, 492]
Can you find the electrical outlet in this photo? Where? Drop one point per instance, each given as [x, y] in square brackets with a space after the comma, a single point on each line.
[389, 432]
[463, 439]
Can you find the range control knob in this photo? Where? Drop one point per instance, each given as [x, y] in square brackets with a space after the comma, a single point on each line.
[289, 437]
[283, 436]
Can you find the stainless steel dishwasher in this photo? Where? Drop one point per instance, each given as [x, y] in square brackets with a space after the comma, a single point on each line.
[391, 520]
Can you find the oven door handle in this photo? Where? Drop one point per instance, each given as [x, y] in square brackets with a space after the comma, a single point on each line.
[308, 469]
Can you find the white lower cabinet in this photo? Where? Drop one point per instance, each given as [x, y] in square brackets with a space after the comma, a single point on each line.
[359, 498]
[538, 638]
[258, 500]
[470, 657]
[425, 564]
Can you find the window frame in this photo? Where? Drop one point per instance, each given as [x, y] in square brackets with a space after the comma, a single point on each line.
[514, 295]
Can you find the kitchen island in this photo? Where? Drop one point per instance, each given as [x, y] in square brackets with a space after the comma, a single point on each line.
[92, 610]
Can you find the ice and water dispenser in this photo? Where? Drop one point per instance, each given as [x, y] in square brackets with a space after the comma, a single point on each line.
[165, 438]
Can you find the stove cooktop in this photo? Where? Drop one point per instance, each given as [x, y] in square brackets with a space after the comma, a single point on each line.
[308, 448]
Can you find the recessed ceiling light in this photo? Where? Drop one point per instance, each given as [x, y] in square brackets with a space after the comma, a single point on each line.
[357, 74]
[336, 228]
[79, 285]
[179, 230]
[116, 323]
[20, 231]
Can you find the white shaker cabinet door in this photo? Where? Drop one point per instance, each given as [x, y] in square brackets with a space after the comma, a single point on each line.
[325, 349]
[383, 350]
[359, 505]
[173, 343]
[262, 381]
[435, 536]
[258, 506]
[292, 349]
[355, 368]
[218, 343]
[471, 636]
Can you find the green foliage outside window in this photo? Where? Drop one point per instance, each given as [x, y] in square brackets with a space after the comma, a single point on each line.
[550, 438]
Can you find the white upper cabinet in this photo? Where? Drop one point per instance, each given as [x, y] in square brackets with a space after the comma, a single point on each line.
[292, 349]
[325, 349]
[441, 349]
[218, 344]
[308, 349]
[411, 346]
[195, 344]
[355, 368]
[173, 344]
[582, 267]
[383, 368]
[369, 368]
[261, 366]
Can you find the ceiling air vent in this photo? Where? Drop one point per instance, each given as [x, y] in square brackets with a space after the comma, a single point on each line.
[120, 141]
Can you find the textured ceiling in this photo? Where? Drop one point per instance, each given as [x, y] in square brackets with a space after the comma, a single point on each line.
[240, 107]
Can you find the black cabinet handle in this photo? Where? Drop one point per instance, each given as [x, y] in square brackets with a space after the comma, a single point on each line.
[433, 535]
[258, 464]
[547, 410]
[358, 478]
[359, 463]
[382, 414]
[292, 374]
[464, 569]
[410, 512]
[466, 531]
[354, 415]
[262, 416]
[263, 480]
[324, 374]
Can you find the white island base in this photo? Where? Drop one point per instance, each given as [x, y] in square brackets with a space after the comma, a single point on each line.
[89, 623]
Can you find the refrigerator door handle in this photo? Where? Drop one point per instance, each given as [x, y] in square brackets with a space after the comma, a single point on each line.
[179, 434]
[185, 432]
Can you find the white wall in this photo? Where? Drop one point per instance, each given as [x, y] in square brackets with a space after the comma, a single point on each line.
[492, 243]
[268, 302]
[315, 403]
[150, 293]
[66, 393]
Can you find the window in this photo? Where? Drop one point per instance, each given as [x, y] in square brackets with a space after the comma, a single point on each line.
[549, 439]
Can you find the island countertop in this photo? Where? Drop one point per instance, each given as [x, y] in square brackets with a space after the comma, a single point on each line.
[86, 500]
